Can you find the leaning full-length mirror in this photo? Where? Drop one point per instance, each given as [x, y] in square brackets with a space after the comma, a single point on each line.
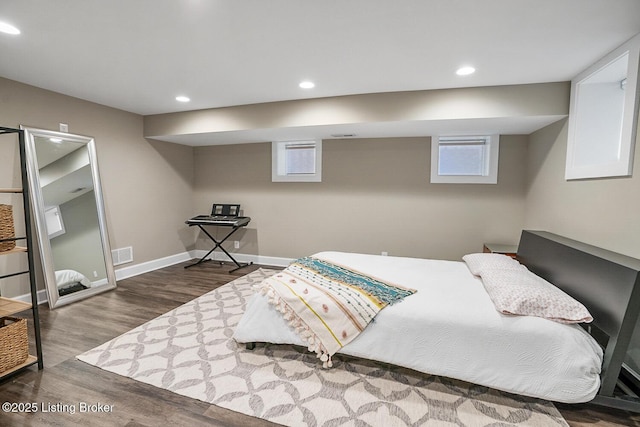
[69, 215]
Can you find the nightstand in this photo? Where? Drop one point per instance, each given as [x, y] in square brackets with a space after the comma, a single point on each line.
[498, 248]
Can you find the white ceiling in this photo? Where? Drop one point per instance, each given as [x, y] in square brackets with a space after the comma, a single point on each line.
[138, 55]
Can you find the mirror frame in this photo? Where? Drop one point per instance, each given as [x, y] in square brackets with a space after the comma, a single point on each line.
[46, 256]
[629, 120]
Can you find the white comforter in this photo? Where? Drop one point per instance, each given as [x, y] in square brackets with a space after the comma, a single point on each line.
[451, 328]
[66, 278]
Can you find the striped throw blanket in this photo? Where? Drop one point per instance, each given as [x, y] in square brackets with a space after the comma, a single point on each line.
[327, 304]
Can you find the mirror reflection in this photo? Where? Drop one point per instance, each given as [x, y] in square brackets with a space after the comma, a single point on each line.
[69, 216]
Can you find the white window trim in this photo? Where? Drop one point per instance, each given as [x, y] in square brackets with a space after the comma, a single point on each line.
[278, 166]
[54, 221]
[491, 176]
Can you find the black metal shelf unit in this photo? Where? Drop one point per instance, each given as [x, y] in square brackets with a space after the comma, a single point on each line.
[10, 306]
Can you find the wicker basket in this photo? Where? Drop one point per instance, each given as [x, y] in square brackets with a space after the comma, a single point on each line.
[14, 342]
[7, 230]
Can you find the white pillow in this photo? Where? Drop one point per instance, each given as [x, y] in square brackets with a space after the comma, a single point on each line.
[480, 262]
[521, 292]
[70, 277]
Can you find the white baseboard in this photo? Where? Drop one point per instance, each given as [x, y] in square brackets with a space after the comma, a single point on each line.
[41, 295]
[100, 282]
[145, 267]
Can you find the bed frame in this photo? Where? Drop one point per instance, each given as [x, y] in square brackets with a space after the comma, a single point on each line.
[608, 284]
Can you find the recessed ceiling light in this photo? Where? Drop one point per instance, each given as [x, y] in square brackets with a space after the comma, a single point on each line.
[307, 85]
[8, 28]
[465, 71]
[182, 98]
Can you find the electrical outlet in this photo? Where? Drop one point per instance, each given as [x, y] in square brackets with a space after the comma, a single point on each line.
[236, 244]
[95, 274]
[384, 253]
[64, 127]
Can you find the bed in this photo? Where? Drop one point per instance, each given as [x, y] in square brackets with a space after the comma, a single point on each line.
[450, 326]
[68, 281]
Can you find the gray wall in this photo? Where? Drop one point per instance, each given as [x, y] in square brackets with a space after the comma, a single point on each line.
[601, 212]
[80, 247]
[147, 185]
[150, 188]
[374, 196]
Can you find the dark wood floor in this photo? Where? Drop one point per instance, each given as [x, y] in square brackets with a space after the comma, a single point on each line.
[76, 328]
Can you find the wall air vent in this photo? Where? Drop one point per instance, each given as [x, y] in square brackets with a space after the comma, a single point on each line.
[122, 255]
[343, 135]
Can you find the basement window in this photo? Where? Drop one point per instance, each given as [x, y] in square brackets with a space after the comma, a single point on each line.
[296, 161]
[53, 219]
[465, 159]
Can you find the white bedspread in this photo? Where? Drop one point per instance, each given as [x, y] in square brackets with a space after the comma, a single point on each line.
[451, 328]
[66, 278]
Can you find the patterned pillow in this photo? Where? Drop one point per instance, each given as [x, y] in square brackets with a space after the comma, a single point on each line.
[480, 262]
[521, 292]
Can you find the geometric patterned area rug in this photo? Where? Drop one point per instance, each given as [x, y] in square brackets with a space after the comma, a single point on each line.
[189, 351]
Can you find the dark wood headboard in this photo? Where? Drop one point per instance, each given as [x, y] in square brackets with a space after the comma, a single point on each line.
[607, 283]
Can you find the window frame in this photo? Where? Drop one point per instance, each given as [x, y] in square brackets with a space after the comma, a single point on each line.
[278, 161]
[490, 176]
[53, 219]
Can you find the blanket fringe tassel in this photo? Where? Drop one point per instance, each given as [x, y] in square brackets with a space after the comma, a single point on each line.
[312, 340]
